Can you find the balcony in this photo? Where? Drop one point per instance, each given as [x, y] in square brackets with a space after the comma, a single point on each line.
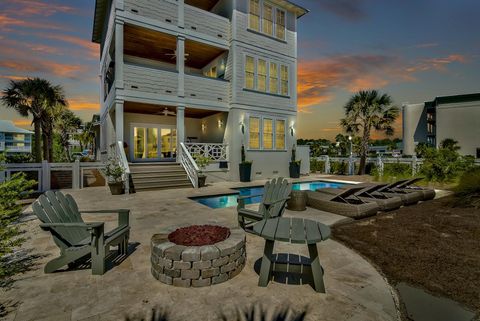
[197, 17]
[150, 80]
[199, 87]
[18, 149]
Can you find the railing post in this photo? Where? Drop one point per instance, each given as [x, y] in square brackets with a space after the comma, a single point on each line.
[414, 165]
[45, 183]
[327, 164]
[351, 164]
[380, 165]
[76, 174]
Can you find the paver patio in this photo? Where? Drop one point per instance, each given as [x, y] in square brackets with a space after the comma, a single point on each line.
[355, 290]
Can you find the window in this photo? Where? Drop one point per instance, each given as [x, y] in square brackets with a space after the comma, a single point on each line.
[267, 133]
[250, 73]
[262, 75]
[254, 133]
[212, 72]
[273, 78]
[280, 25]
[267, 24]
[284, 85]
[254, 17]
[280, 134]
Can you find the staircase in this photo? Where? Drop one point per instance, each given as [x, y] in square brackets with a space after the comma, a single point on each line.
[155, 176]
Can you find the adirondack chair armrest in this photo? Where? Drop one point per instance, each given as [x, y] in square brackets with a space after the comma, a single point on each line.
[241, 200]
[88, 226]
[123, 215]
[268, 204]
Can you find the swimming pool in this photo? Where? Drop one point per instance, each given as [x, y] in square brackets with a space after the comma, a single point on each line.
[230, 200]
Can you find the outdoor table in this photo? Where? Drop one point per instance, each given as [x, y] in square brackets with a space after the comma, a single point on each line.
[296, 231]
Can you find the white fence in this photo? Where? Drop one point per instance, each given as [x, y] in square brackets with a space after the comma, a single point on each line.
[76, 173]
[216, 152]
[414, 162]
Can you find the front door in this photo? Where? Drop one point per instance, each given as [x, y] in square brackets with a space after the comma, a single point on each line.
[152, 143]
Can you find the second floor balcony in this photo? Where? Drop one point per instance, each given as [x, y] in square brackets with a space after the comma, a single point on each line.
[197, 17]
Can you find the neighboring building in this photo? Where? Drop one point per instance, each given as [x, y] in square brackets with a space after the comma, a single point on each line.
[456, 117]
[14, 140]
[213, 74]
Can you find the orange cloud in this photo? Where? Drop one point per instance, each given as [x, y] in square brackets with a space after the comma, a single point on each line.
[367, 82]
[436, 63]
[12, 77]
[83, 104]
[6, 22]
[44, 66]
[35, 8]
[92, 48]
[22, 122]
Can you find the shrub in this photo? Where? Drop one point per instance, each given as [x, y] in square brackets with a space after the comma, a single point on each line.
[339, 168]
[468, 188]
[444, 165]
[316, 165]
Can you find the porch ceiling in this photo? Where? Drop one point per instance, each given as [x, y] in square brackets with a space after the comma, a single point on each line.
[202, 4]
[140, 108]
[155, 45]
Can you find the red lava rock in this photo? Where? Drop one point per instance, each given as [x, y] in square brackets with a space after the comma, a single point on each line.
[198, 235]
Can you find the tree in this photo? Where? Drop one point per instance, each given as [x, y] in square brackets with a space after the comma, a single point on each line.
[67, 124]
[87, 137]
[37, 98]
[367, 111]
[450, 144]
[26, 97]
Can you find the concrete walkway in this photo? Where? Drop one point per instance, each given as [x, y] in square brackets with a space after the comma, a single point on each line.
[355, 290]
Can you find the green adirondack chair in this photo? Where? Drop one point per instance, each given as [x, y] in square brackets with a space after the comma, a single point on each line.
[274, 198]
[76, 239]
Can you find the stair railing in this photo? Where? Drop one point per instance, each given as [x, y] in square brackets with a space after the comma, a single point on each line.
[189, 165]
[123, 162]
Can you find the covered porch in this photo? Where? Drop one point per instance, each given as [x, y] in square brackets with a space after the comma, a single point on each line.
[153, 133]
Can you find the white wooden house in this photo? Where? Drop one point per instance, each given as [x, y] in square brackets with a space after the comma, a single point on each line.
[200, 76]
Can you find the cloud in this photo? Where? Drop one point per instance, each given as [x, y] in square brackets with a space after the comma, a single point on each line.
[92, 48]
[319, 78]
[82, 103]
[351, 10]
[427, 45]
[7, 22]
[13, 77]
[44, 66]
[22, 122]
[30, 8]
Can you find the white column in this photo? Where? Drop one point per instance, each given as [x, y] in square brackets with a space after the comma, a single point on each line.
[181, 65]
[180, 129]
[118, 54]
[181, 14]
[119, 122]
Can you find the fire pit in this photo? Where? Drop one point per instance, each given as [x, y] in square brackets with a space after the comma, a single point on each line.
[198, 255]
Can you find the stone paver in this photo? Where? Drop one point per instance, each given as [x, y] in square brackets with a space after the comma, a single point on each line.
[355, 290]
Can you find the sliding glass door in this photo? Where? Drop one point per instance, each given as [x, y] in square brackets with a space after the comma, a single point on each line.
[153, 143]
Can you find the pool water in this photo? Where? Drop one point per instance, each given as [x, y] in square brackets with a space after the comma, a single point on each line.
[230, 200]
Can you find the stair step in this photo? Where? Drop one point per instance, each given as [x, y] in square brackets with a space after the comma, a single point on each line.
[165, 181]
[168, 170]
[146, 187]
[139, 175]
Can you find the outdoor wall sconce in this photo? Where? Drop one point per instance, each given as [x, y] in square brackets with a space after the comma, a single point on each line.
[204, 127]
[242, 127]
[220, 123]
[292, 130]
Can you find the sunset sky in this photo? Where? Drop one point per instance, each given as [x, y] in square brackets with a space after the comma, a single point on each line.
[412, 49]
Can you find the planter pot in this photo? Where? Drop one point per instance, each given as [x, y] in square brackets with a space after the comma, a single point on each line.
[245, 171]
[202, 179]
[294, 170]
[116, 188]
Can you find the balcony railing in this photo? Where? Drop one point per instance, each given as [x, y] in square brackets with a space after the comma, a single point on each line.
[161, 10]
[205, 88]
[216, 152]
[2, 146]
[26, 149]
[150, 80]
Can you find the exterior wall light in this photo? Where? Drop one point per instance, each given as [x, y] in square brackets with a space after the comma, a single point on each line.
[242, 127]
[204, 127]
[220, 123]
[292, 130]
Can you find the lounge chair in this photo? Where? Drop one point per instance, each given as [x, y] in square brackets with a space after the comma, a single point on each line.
[343, 203]
[409, 197]
[428, 193]
[274, 198]
[76, 239]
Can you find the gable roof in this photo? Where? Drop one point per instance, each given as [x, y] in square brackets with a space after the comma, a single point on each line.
[6, 126]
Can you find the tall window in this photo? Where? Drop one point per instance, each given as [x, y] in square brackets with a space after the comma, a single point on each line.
[250, 73]
[280, 24]
[273, 78]
[267, 24]
[280, 134]
[262, 75]
[284, 77]
[254, 16]
[254, 133]
[267, 133]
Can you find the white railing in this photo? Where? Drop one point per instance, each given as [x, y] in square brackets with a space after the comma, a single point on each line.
[205, 88]
[44, 171]
[189, 165]
[216, 152]
[2, 146]
[27, 149]
[206, 22]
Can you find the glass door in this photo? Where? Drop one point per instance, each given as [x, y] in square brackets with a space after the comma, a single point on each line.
[145, 144]
[169, 143]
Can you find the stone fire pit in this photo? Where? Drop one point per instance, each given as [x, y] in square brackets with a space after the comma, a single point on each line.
[212, 255]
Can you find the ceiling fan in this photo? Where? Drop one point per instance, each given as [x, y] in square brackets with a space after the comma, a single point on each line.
[174, 55]
[167, 112]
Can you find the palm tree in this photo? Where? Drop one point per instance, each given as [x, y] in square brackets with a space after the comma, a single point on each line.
[450, 144]
[87, 138]
[366, 111]
[67, 124]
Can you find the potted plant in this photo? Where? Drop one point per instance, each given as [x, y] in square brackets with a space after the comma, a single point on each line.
[245, 168]
[114, 173]
[294, 167]
[202, 163]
